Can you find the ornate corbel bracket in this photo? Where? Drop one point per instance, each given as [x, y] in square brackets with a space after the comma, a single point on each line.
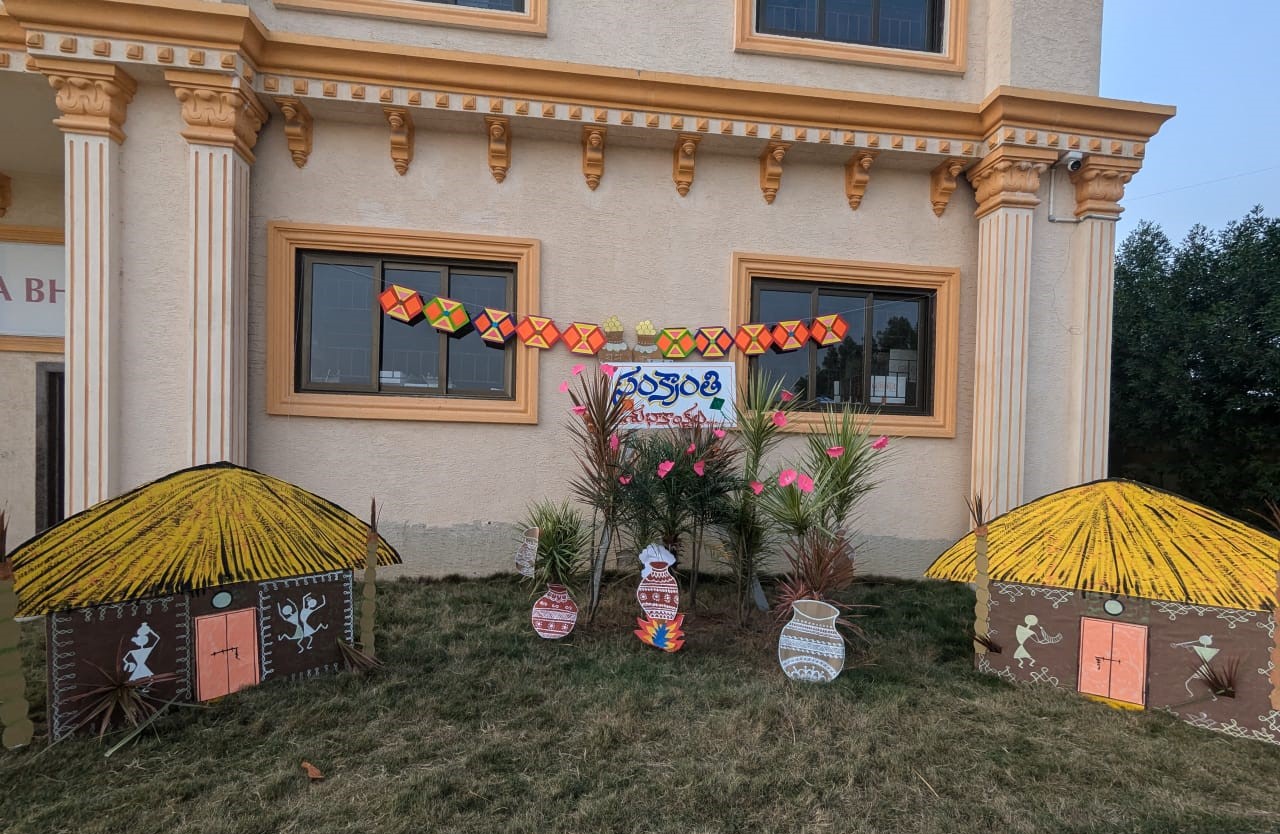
[297, 129]
[218, 110]
[593, 154]
[499, 131]
[683, 158]
[771, 169]
[401, 124]
[6, 194]
[92, 97]
[1010, 178]
[857, 173]
[1100, 183]
[942, 183]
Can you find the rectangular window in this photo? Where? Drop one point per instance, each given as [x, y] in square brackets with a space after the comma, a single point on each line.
[521, 17]
[346, 344]
[898, 24]
[883, 362]
[493, 5]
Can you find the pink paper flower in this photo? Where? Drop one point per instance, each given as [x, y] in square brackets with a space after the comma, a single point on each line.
[757, 487]
[564, 387]
[880, 443]
[835, 451]
[607, 369]
[787, 477]
[614, 442]
[779, 419]
[624, 479]
[693, 447]
[804, 483]
[719, 433]
[787, 396]
[664, 468]
[577, 369]
[579, 410]
[700, 467]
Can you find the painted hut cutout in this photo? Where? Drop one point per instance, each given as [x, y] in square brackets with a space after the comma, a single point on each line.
[215, 577]
[1136, 596]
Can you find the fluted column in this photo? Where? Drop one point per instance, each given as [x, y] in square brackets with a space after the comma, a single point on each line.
[222, 122]
[1006, 183]
[1099, 186]
[93, 99]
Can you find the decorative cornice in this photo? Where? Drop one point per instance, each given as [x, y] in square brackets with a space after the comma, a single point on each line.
[297, 129]
[401, 124]
[593, 154]
[498, 129]
[857, 173]
[942, 183]
[771, 169]
[1100, 183]
[218, 109]
[1010, 178]
[6, 194]
[683, 159]
[93, 98]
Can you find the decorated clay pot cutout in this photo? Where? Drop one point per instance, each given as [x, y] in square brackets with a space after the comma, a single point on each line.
[555, 613]
[658, 593]
[810, 649]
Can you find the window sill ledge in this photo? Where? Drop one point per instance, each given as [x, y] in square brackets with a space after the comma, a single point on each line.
[896, 425]
[533, 21]
[522, 411]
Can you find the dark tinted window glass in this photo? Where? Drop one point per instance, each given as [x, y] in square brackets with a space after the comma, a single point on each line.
[840, 365]
[499, 5]
[341, 325]
[474, 365]
[791, 367]
[895, 359]
[900, 24]
[411, 353]
[904, 24]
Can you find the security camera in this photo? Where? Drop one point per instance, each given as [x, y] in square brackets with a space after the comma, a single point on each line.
[1072, 160]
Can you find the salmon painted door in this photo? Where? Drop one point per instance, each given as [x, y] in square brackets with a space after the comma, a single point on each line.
[226, 653]
[1113, 660]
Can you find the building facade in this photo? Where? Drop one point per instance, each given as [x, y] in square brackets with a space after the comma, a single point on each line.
[229, 185]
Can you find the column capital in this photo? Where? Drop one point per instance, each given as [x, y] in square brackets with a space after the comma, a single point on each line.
[1100, 185]
[218, 110]
[92, 96]
[1010, 178]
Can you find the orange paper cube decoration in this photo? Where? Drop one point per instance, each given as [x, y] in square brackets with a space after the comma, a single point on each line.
[713, 342]
[753, 339]
[790, 335]
[828, 330]
[675, 342]
[495, 326]
[446, 314]
[586, 339]
[401, 303]
[537, 331]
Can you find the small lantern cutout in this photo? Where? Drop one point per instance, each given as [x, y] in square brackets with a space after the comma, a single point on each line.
[537, 331]
[829, 330]
[584, 339]
[401, 303]
[446, 314]
[713, 342]
[753, 339]
[790, 335]
[675, 342]
[495, 326]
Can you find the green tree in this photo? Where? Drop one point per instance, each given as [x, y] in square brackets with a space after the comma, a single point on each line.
[1195, 384]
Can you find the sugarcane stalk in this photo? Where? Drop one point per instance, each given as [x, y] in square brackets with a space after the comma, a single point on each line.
[368, 602]
[18, 729]
[982, 607]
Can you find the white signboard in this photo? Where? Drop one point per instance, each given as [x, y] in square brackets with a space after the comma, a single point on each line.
[670, 394]
[33, 289]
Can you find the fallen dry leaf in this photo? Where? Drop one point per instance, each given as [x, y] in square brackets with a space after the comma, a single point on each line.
[313, 772]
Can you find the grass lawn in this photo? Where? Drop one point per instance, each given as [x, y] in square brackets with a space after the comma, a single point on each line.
[477, 725]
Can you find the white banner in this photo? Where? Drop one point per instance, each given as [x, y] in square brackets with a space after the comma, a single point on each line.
[670, 394]
[32, 289]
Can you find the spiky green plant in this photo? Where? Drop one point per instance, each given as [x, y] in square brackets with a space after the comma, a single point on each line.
[710, 493]
[18, 729]
[821, 567]
[563, 541]
[654, 506]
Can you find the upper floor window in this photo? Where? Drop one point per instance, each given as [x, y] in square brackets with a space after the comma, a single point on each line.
[525, 17]
[493, 5]
[898, 24]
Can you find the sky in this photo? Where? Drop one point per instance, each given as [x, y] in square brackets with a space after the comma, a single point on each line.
[1220, 156]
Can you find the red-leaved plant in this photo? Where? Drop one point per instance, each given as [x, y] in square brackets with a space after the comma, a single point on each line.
[822, 566]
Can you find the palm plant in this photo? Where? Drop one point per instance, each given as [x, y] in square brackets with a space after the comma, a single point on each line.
[563, 542]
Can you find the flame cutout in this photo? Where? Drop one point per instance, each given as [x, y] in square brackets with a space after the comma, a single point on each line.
[661, 634]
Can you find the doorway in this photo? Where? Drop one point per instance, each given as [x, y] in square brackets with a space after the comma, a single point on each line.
[50, 444]
[226, 653]
[1113, 660]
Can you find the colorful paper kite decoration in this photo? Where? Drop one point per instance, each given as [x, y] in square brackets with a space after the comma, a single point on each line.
[585, 339]
[446, 314]
[537, 331]
[661, 634]
[713, 342]
[495, 326]
[753, 339]
[828, 330]
[789, 336]
[401, 303]
[675, 342]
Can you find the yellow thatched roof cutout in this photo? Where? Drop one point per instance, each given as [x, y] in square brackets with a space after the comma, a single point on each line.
[197, 528]
[1123, 538]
